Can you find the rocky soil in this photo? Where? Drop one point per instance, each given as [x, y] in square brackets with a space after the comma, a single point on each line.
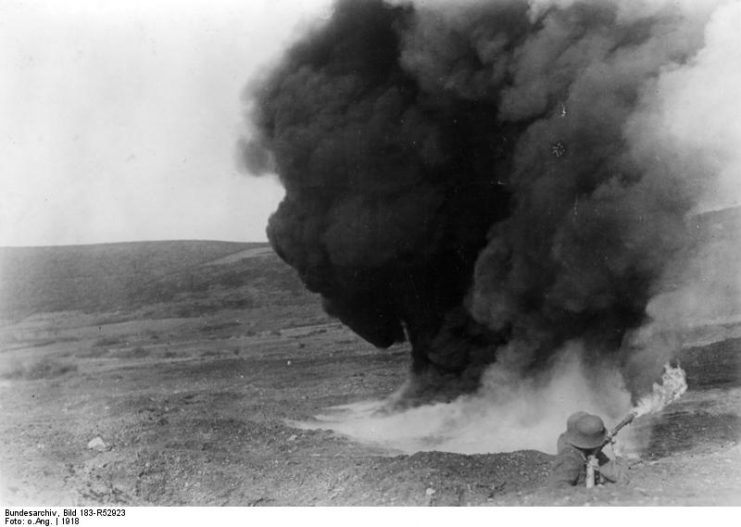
[196, 411]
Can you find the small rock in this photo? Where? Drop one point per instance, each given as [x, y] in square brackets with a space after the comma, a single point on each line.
[293, 437]
[98, 444]
[430, 491]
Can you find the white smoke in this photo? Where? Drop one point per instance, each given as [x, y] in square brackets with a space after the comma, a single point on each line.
[507, 414]
[690, 123]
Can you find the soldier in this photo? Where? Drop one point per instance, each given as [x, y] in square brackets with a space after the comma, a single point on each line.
[585, 436]
[562, 443]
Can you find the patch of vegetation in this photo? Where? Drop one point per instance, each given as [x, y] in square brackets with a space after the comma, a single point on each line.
[209, 327]
[108, 341]
[137, 352]
[93, 352]
[41, 369]
[46, 342]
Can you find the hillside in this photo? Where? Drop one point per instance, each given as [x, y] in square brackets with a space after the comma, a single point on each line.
[197, 276]
[200, 371]
[191, 276]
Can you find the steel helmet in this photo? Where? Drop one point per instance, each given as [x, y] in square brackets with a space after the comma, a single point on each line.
[573, 418]
[587, 431]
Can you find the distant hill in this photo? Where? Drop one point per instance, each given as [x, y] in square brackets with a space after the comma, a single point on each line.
[186, 278]
[198, 275]
[718, 224]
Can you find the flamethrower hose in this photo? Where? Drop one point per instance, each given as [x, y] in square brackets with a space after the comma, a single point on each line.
[622, 424]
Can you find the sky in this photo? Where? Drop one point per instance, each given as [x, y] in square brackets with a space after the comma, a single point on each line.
[119, 119]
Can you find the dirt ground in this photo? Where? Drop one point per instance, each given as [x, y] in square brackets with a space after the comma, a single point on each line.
[194, 411]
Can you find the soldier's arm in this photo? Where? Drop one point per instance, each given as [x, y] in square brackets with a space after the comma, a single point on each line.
[566, 471]
[612, 470]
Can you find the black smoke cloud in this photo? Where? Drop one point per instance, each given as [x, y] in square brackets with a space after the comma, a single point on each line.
[462, 176]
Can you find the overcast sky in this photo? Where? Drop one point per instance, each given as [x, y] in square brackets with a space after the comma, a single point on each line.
[119, 118]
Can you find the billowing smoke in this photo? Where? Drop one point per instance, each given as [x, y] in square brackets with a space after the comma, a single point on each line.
[506, 414]
[492, 180]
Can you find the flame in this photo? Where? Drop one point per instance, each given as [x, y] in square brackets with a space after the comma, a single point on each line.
[673, 385]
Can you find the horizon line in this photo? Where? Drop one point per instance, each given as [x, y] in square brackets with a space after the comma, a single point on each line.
[130, 242]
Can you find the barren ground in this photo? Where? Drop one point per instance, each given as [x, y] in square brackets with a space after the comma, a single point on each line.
[193, 411]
